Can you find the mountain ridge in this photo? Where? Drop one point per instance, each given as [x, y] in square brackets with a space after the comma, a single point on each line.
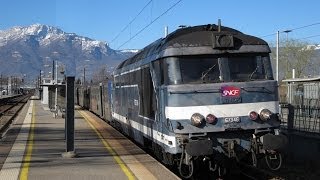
[33, 48]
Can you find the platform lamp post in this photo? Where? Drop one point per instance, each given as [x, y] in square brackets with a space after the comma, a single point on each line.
[277, 51]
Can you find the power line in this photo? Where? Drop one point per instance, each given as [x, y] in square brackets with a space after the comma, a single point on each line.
[304, 26]
[268, 35]
[308, 37]
[130, 22]
[289, 30]
[149, 24]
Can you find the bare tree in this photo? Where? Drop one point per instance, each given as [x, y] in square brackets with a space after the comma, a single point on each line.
[298, 55]
[101, 76]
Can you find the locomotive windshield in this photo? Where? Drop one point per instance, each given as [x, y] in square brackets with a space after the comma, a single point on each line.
[213, 69]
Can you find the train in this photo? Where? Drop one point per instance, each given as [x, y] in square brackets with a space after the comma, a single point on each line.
[201, 95]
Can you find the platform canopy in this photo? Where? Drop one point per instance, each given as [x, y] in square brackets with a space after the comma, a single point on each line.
[308, 79]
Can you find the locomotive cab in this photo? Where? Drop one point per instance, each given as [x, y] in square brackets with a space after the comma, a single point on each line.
[219, 104]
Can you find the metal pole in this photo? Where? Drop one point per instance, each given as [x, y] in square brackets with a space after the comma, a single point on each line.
[13, 85]
[56, 83]
[277, 58]
[165, 31]
[53, 70]
[10, 86]
[16, 84]
[290, 120]
[69, 119]
[40, 76]
[84, 76]
[1, 85]
[40, 82]
[7, 86]
[293, 73]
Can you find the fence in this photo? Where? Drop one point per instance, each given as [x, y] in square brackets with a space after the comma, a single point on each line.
[300, 105]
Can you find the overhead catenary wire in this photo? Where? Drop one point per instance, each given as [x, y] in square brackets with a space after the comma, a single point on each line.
[171, 7]
[144, 7]
[308, 37]
[268, 35]
[318, 23]
[289, 30]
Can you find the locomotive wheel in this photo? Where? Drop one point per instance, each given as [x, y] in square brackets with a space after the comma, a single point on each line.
[273, 160]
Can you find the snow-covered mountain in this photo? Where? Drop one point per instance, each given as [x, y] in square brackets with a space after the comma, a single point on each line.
[27, 50]
[314, 46]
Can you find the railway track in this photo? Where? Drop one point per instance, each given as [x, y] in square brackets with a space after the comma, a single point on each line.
[254, 173]
[9, 108]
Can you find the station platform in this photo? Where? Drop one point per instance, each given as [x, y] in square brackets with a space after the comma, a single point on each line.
[33, 148]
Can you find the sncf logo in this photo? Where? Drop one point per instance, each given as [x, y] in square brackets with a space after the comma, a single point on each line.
[230, 91]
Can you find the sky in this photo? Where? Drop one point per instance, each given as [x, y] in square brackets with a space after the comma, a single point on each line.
[105, 19]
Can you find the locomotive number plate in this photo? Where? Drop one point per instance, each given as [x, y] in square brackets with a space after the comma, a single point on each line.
[232, 120]
[228, 100]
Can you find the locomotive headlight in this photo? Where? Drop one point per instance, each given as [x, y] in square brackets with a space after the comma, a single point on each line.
[265, 114]
[197, 119]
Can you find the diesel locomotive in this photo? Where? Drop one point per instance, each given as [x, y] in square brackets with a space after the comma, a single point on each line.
[201, 95]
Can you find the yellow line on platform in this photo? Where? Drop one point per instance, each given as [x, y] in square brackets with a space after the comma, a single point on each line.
[27, 158]
[115, 156]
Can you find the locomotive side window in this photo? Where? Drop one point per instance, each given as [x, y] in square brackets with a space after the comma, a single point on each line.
[158, 67]
[147, 96]
[173, 68]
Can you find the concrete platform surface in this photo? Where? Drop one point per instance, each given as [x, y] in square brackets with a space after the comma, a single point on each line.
[35, 152]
